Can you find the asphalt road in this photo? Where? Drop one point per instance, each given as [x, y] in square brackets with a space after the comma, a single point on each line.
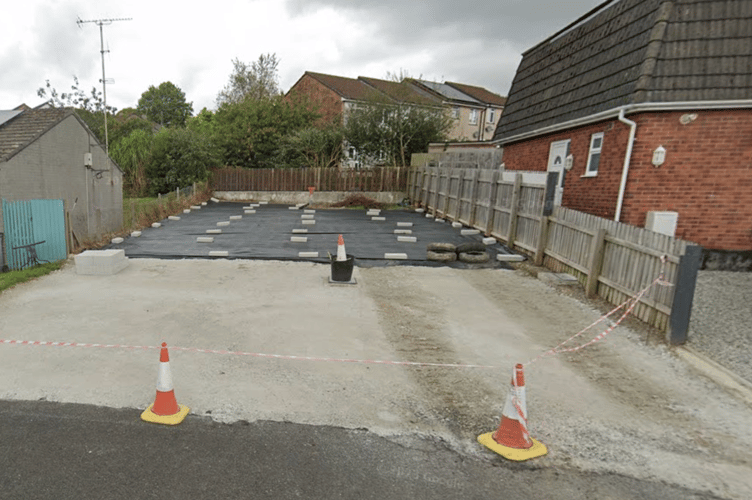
[71, 451]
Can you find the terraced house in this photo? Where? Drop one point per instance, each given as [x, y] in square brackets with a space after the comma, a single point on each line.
[644, 108]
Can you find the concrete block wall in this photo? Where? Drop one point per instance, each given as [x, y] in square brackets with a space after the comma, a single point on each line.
[52, 167]
[706, 178]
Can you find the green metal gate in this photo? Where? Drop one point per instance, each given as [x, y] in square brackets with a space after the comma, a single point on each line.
[34, 232]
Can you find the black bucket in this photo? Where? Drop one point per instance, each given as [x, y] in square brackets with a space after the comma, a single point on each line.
[342, 269]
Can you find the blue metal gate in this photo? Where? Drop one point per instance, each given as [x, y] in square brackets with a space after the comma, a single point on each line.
[34, 232]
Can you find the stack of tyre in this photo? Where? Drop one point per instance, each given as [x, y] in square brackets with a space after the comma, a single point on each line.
[472, 252]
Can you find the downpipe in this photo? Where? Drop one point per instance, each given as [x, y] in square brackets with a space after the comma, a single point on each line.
[627, 159]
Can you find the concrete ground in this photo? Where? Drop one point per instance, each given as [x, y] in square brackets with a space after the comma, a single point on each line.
[618, 406]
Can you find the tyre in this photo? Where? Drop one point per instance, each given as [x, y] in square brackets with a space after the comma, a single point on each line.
[440, 256]
[474, 257]
[441, 247]
[471, 246]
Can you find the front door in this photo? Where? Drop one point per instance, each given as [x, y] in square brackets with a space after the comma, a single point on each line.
[556, 158]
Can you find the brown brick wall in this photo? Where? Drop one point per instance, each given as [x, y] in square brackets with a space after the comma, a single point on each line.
[706, 178]
[328, 101]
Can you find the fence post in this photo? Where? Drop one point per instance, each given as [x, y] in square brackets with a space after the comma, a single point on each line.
[512, 234]
[552, 181]
[684, 294]
[596, 261]
[473, 202]
[542, 241]
[492, 201]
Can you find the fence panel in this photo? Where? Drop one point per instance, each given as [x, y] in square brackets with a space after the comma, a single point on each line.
[381, 179]
[467, 196]
[34, 232]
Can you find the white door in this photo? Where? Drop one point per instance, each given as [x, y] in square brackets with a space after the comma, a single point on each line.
[556, 157]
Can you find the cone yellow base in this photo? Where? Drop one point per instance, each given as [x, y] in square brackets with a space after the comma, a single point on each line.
[150, 416]
[518, 455]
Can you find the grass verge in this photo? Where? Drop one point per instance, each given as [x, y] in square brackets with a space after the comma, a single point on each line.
[12, 278]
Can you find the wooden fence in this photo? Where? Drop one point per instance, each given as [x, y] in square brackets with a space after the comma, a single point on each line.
[610, 259]
[380, 179]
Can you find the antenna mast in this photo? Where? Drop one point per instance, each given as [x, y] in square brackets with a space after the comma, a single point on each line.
[100, 23]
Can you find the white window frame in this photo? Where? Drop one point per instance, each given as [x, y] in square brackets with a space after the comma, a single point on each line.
[456, 112]
[473, 116]
[490, 115]
[589, 172]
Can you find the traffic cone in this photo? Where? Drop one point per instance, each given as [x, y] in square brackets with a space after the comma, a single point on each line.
[341, 254]
[512, 440]
[165, 409]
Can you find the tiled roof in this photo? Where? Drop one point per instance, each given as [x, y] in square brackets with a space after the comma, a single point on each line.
[480, 94]
[446, 92]
[22, 130]
[402, 92]
[348, 88]
[633, 51]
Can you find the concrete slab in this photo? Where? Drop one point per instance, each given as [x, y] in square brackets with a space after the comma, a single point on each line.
[205, 239]
[173, 217]
[101, 262]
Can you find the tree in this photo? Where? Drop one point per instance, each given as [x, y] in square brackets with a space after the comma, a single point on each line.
[89, 107]
[131, 153]
[165, 105]
[179, 157]
[125, 122]
[258, 81]
[249, 133]
[312, 147]
[390, 133]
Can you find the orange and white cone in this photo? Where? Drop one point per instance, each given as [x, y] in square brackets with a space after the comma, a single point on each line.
[512, 440]
[341, 254]
[165, 409]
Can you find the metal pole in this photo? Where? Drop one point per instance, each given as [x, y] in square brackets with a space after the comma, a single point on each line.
[104, 89]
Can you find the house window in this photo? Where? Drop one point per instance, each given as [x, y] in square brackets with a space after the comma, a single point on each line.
[594, 157]
[490, 114]
[456, 113]
[473, 116]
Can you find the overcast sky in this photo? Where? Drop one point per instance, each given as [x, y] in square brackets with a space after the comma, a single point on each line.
[192, 44]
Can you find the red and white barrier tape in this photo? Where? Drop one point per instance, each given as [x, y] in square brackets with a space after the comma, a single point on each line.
[242, 353]
[630, 304]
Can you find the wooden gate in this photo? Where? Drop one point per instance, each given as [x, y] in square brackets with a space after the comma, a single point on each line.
[34, 232]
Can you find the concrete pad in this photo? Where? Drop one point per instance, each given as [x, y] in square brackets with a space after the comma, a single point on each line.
[292, 208]
[439, 220]
[195, 207]
[307, 216]
[248, 207]
[156, 225]
[299, 231]
[403, 231]
[407, 239]
[299, 239]
[223, 223]
[395, 256]
[203, 203]
[509, 257]
[263, 203]
[173, 217]
[219, 253]
[469, 232]
[378, 219]
[187, 211]
[249, 211]
[489, 241]
[236, 217]
[136, 234]
[456, 224]
[214, 200]
[556, 279]
[419, 210]
[213, 231]
[404, 224]
[429, 216]
[308, 211]
[308, 222]
[101, 262]
[308, 255]
[117, 241]
[205, 239]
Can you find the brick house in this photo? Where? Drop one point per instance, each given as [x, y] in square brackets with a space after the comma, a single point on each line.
[50, 153]
[645, 109]
[476, 110]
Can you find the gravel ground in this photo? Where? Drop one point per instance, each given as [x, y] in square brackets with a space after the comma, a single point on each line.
[721, 319]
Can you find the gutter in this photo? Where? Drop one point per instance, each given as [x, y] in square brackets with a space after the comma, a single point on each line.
[627, 159]
[629, 108]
